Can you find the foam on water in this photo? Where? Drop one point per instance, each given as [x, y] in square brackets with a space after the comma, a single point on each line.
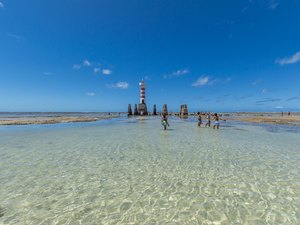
[130, 171]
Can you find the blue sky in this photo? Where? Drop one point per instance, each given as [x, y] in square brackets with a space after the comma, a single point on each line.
[89, 55]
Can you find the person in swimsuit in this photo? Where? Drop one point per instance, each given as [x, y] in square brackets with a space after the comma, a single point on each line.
[199, 119]
[217, 122]
[164, 121]
[208, 120]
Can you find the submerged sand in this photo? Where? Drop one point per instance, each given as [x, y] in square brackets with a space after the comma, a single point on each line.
[51, 120]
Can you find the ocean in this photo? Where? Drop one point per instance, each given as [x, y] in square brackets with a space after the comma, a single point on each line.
[131, 171]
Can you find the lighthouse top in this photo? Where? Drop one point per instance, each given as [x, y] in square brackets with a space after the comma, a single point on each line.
[142, 82]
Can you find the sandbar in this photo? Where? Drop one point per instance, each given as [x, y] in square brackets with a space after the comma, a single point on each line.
[52, 120]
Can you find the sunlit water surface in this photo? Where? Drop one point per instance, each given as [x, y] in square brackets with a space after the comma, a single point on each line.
[130, 171]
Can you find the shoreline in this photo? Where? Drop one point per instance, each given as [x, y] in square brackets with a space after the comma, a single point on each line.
[258, 118]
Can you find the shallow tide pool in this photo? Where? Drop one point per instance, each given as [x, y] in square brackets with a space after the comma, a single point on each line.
[130, 171]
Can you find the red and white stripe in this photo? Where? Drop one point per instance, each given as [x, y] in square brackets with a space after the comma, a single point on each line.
[142, 92]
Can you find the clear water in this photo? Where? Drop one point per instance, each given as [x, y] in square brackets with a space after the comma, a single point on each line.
[130, 171]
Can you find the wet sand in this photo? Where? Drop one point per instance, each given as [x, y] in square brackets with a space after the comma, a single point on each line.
[51, 120]
[283, 120]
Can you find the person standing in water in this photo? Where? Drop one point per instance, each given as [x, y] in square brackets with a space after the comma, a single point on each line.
[208, 120]
[199, 119]
[164, 121]
[217, 122]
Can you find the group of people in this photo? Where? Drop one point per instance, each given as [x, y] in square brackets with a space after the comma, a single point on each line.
[164, 120]
[216, 118]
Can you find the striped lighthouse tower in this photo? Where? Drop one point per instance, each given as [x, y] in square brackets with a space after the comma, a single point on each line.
[142, 92]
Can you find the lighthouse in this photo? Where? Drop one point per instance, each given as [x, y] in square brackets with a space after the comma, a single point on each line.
[142, 92]
[142, 106]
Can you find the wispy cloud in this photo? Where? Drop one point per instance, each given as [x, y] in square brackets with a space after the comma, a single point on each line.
[106, 71]
[177, 73]
[256, 82]
[266, 100]
[273, 4]
[267, 4]
[293, 98]
[16, 37]
[1, 5]
[76, 66]
[86, 63]
[97, 70]
[119, 85]
[206, 80]
[289, 60]
[264, 91]
[91, 94]
[202, 81]
[279, 107]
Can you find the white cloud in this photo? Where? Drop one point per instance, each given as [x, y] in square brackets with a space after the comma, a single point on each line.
[202, 81]
[177, 73]
[86, 63]
[289, 60]
[119, 85]
[76, 66]
[106, 71]
[279, 107]
[91, 94]
[96, 70]
[180, 72]
[1, 5]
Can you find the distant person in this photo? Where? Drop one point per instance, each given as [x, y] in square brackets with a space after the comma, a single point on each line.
[164, 121]
[208, 120]
[281, 113]
[289, 113]
[199, 119]
[217, 122]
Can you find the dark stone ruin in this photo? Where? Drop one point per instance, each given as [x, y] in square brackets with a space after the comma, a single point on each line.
[184, 111]
[129, 110]
[154, 110]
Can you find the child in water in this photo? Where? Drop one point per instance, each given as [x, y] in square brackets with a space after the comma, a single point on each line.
[199, 119]
[217, 122]
[208, 120]
[164, 121]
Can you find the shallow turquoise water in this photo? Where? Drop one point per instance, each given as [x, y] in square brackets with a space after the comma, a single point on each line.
[130, 171]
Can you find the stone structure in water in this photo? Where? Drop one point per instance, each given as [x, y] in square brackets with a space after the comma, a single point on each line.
[135, 110]
[154, 110]
[129, 110]
[183, 111]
